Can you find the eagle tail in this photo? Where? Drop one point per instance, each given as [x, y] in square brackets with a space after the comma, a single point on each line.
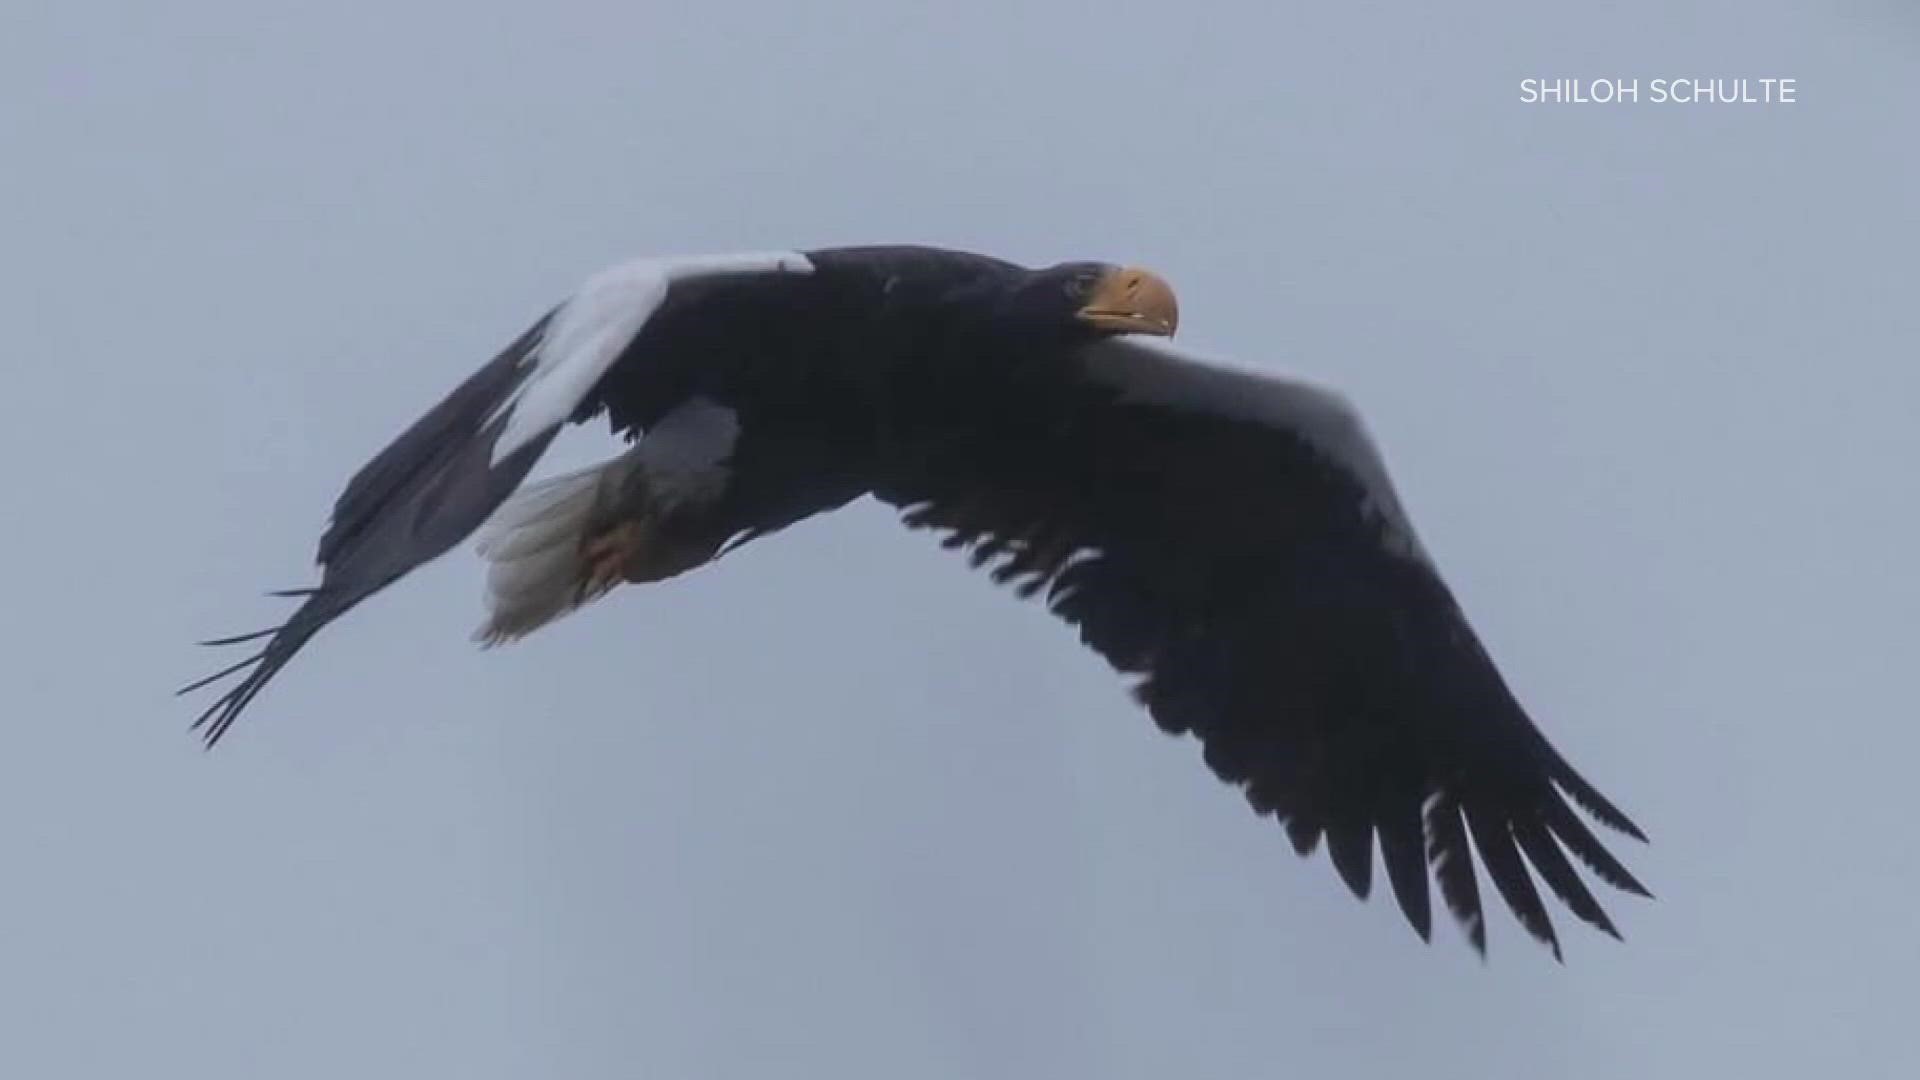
[536, 550]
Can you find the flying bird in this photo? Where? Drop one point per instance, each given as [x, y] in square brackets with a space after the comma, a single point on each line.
[1228, 541]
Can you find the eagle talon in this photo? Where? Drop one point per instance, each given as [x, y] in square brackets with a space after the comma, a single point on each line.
[608, 555]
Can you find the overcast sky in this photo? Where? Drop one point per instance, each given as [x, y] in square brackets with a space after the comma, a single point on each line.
[837, 807]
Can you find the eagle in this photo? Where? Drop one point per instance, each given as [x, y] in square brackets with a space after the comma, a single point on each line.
[1228, 541]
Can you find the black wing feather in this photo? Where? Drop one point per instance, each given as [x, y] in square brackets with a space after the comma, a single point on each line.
[1452, 866]
[1488, 823]
[1403, 852]
[421, 495]
[1559, 874]
[1350, 845]
[1247, 573]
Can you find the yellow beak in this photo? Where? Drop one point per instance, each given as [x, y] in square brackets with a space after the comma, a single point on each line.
[1129, 300]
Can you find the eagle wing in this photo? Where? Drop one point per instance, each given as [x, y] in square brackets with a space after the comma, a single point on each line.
[1233, 541]
[447, 473]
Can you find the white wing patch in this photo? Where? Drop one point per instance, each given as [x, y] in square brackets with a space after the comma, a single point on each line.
[1320, 416]
[591, 329]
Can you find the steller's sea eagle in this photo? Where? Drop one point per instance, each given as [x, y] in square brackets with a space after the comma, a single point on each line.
[1230, 541]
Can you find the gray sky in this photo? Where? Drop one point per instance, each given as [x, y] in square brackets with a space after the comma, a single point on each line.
[838, 807]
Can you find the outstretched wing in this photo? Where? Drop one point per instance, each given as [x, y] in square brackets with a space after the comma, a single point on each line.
[440, 480]
[1234, 542]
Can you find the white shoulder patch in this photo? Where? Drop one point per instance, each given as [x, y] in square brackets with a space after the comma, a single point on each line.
[1320, 416]
[588, 332]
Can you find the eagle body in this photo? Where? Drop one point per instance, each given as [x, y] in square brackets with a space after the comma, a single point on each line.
[1229, 542]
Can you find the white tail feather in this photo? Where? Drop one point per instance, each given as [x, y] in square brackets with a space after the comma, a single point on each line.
[533, 543]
